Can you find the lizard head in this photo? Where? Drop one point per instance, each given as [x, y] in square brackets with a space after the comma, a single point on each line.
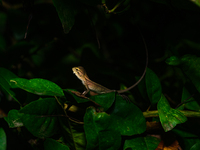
[79, 72]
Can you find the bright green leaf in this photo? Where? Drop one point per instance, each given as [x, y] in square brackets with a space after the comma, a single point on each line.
[142, 143]
[169, 117]
[3, 142]
[66, 11]
[14, 119]
[153, 86]
[38, 86]
[5, 77]
[51, 144]
[190, 104]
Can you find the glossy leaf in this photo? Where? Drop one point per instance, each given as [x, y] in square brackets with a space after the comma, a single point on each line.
[128, 118]
[190, 104]
[14, 119]
[169, 117]
[66, 12]
[153, 86]
[5, 77]
[38, 86]
[51, 144]
[104, 100]
[37, 117]
[124, 119]
[3, 140]
[142, 143]
[100, 134]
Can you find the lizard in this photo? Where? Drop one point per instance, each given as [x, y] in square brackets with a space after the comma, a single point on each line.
[97, 88]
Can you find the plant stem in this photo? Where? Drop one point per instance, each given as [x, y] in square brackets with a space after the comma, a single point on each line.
[154, 113]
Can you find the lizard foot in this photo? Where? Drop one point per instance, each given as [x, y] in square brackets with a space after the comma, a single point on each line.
[126, 98]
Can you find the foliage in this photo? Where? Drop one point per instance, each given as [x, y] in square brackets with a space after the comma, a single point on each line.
[41, 40]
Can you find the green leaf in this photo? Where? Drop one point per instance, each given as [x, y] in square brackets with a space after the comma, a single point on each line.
[51, 144]
[2, 139]
[169, 117]
[173, 60]
[104, 100]
[191, 67]
[100, 134]
[5, 77]
[197, 2]
[190, 104]
[190, 64]
[77, 98]
[195, 146]
[124, 119]
[188, 136]
[37, 117]
[66, 10]
[142, 143]
[14, 119]
[73, 134]
[38, 86]
[153, 86]
[128, 118]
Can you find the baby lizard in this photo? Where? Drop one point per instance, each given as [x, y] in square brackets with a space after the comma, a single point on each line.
[97, 88]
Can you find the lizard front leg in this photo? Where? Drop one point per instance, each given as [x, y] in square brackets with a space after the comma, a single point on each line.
[86, 91]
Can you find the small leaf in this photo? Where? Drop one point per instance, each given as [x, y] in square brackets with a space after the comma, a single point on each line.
[153, 86]
[173, 60]
[2, 139]
[169, 117]
[38, 86]
[51, 144]
[5, 77]
[142, 143]
[66, 12]
[14, 119]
